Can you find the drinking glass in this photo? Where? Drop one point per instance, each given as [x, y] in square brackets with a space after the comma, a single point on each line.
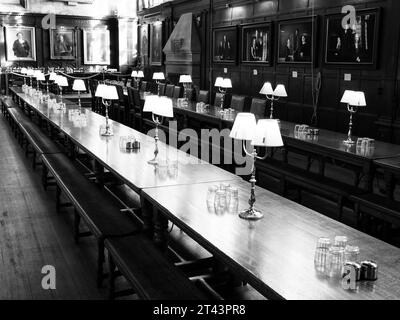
[352, 254]
[341, 242]
[321, 254]
[297, 130]
[234, 201]
[211, 197]
[220, 202]
[335, 262]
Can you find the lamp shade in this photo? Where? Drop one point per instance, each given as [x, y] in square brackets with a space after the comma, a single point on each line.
[24, 70]
[134, 74]
[159, 105]
[267, 134]
[219, 82]
[347, 96]
[280, 91]
[267, 89]
[53, 76]
[62, 81]
[185, 78]
[40, 76]
[227, 83]
[30, 72]
[101, 88]
[79, 85]
[110, 93]
[158, 76]
[244, 127]
[140, 74]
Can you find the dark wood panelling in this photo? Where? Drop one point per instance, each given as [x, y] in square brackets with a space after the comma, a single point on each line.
[43, 37]
[381, 85]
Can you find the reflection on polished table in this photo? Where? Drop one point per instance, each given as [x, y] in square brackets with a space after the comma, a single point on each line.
[274, 255]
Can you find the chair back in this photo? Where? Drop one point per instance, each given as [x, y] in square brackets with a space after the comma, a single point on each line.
[131, 100]
[258, 107]
[237, 103]
[177, 92]
[169, 90]
[162, 89]
[189, 93]
[143, 86]
[203, 96]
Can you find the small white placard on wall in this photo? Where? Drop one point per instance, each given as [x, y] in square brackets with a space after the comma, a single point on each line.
[225, 70]
[255, 72]
[347, 77]
[294, 74]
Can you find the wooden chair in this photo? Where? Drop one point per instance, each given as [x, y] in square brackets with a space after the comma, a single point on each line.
[162, 89]
[258, 107]
[203, 96]
[189, 93]
[237, 103]
[169, 90]
[177, 92]
[119, 106]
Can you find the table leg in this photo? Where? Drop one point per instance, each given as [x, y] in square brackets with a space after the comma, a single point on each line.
[390, 184]
[147, 215]
[160, 230]
[369, 177]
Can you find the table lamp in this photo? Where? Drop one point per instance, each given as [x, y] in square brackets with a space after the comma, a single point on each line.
[52, 77]
[273, 95]
[61, 82]
[265, 133]
[39, 77]
[158, 76]
[186, 80]
[79, 85]
[30, 73]
[160, 107]
[354, 100]
[24, 71]
[137, 75]
[107, 94]
[223, 84]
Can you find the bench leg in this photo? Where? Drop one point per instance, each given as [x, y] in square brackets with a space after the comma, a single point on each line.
[100, 262]
[77, 220]
[111, 278]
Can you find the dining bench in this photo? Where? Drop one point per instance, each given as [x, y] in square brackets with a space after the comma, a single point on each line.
[151, 275]
[100, 212]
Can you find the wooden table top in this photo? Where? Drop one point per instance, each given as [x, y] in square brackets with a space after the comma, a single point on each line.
[392, 164]
[175, 168]
[276, 255]
[328, 141]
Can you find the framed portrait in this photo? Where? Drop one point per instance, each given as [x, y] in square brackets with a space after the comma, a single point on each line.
[355, 44]
[96, 46]
[20, 43]
[256, 44]
[63, 44]
[297, 41]
[156, 40]
[144, 43]
[225, 45]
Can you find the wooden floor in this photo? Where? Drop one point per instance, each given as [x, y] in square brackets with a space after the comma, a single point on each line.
[33, 235]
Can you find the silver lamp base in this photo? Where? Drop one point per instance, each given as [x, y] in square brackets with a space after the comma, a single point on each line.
[251, 214]
[349, 141]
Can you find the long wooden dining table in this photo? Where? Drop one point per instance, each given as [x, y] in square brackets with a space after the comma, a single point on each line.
[327, 145]
[274, 255]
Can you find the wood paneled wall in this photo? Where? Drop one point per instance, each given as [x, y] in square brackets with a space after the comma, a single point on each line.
[381, 118]
[43, 37]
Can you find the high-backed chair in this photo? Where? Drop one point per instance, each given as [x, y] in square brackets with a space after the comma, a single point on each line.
[189, 93]
[217, 99]
[203, 96]
[237, 103]
[258, 107]
[169, 90]
[162, 89]
[177, 92]
[119, 106]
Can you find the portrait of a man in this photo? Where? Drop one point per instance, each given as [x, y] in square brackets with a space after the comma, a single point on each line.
[156, 30]
[225, 45]
[20, 43]
[63, 44]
